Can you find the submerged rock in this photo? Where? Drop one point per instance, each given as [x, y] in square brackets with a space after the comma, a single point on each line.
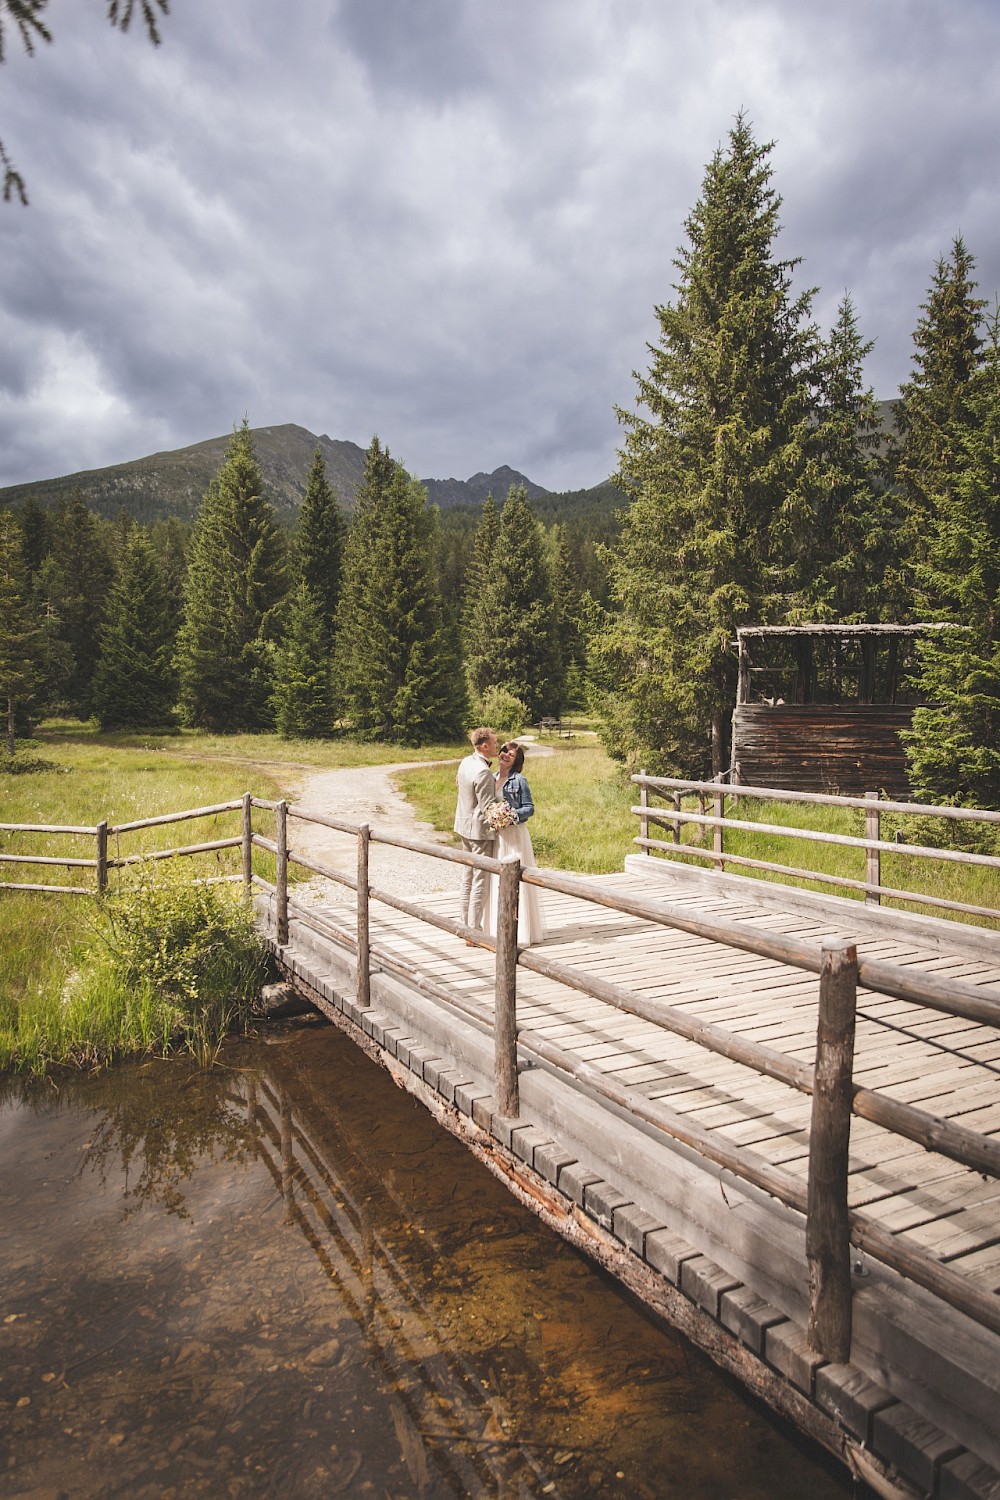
[278, 1001]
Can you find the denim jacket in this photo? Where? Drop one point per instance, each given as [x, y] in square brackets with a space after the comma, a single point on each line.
[517, 794]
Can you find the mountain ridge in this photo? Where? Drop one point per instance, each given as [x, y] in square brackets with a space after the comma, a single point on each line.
[173, 481]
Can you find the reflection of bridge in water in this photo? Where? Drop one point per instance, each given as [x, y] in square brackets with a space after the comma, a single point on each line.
[447, 1421]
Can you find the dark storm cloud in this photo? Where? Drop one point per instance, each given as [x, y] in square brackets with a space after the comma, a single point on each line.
[450, 223]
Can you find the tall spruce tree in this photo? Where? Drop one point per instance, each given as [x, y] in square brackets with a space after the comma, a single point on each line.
[954, 746]
[135, 684]
[235, 580]
[933, 412]
[479, 637]
[19, 635]
[720, 474]
[303, 690]
[848, 568]
[77, 583]
[398, 676]
[571, 616]
[521, 612]
[319, 546]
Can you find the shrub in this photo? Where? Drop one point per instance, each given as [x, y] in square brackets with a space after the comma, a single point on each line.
[503, 712]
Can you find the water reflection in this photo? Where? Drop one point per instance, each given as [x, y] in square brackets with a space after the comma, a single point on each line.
[282, 1278]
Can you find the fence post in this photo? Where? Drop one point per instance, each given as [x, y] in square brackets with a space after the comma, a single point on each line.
[828, 1234]
[102, 857]
[505, 996]
[364, 973]
[643, 819]
[281, 872]
[873, 857]
[701, 812]
[247, 845]
[718, 833]
[676, 799]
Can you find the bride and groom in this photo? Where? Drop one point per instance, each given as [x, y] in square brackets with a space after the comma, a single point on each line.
[478, 789]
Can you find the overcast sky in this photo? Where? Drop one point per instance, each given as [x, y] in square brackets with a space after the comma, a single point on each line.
[449, 221]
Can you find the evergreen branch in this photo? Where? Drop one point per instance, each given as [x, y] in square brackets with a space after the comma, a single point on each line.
[120, 15]
[13, 182]
[26, 16]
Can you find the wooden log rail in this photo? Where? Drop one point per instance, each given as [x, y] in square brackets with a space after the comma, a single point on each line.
[873, 846]
[831, 1226]
[101, 862]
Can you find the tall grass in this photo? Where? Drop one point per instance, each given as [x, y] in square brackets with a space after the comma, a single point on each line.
[165, 962]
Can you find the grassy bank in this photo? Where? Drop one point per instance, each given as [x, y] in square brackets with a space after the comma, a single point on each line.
[78, 776]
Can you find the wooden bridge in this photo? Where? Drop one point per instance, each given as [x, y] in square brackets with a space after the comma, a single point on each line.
[772, 1114]
[671, 1079]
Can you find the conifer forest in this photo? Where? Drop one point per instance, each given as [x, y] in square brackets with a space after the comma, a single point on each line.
[759, 483]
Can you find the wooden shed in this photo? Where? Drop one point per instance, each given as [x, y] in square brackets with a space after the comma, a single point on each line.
[820, 707]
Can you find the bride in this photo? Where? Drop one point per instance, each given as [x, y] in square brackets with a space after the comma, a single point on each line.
[515, 843]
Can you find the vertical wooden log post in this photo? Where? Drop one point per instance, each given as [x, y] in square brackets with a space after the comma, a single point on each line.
[247, 844]
[677, 807]
[643, 819]
[718, 833]
[505, 1087]
[102, 857]
[281, 872]
[364, 974]
[701, 812]
[828, 1234]
[873, 857]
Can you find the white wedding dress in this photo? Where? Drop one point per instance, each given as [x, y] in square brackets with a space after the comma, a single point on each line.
[515, 843]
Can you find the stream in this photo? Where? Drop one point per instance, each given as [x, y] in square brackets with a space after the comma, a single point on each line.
[281, 1278]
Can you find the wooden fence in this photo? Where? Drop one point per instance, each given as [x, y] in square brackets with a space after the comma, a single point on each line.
[832, 1227]
[726, 801]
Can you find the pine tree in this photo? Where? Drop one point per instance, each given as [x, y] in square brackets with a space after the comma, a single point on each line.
[320, 542]
[933, 411]
[78, 583]
[135, 684]
[720, 475]
[398, 676]
[848, 568]
[954, 747]
[571, 616]
[19, 675]
[519, 607]
[35, 529]
[235, 580]
[478, 629]
[303, 693]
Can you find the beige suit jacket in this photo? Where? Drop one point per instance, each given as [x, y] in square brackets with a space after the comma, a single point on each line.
[476, 790]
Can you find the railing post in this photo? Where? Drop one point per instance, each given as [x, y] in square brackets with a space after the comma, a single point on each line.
[873, 857]
[281, 871]
[643, 819]
[676, 799]
[364, 974]
[247, 845]
[505, 995]
[718, 833]
[102, 857]
[701, 812]
[828, 1234]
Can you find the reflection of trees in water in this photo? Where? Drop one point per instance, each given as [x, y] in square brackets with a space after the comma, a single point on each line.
[154, 1124]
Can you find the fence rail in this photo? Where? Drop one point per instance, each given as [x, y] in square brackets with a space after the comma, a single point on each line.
[822, 1198]
[721, 821]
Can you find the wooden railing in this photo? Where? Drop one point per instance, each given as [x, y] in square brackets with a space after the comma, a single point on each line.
[727, 799]
[831, 1226]
[101, 862]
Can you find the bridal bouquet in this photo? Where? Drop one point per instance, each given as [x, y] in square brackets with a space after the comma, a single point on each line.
[500, 815]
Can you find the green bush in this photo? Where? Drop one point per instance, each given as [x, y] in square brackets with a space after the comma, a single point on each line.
[168, 963]
[502, 711]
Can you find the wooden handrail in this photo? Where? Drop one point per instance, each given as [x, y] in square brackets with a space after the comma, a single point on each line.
[822, 799]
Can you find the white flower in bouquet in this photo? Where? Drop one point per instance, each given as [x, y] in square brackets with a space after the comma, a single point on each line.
[500, 815]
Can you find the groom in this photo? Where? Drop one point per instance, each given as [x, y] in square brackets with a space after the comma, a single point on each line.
[476, 790]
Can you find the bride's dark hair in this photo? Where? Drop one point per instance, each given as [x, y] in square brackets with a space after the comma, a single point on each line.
[518, 750]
